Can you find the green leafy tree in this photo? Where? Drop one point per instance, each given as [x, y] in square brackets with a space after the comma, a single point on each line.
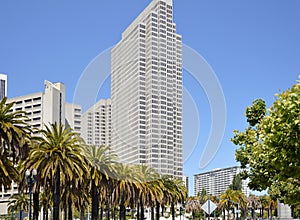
[236, 183]
[270, 146]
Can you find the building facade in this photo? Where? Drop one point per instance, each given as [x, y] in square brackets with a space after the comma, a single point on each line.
[146, 89]
[73, 117]
[43, 108]
[96, 124]
[3, 86]
[217, 181]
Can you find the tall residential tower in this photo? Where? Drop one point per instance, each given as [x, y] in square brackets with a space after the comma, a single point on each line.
[146, 89]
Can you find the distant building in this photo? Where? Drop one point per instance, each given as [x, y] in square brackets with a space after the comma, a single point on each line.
[73, 117]
[96, 124]
[185, 180]
[284, 211]
[3, 86]
[44, 108]
[217, 181]
[146, 90]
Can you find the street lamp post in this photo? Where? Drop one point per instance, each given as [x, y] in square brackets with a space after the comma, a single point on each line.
[30, 179]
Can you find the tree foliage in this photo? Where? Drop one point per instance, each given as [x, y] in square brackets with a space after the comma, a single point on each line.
[270, 146]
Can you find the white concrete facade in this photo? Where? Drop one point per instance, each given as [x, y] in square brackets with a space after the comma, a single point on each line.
[146, 89]
[217, 181]
[44, 108]
[73, 117]
[3, 86]
[96, 124]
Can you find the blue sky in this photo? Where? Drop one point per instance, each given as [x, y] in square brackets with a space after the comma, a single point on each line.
[253, 47]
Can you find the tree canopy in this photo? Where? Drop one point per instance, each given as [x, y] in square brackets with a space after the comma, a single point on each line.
[269, 148]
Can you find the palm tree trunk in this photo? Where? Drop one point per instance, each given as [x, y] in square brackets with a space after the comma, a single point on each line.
[21, 214]
[224, 213]
[162, 210]
[95, 201]
[36, 205]
[228, 213]
[122, 213]
[138, 211]
[101, 212]
[44, 210]
[142, 209]
[173, 211]
[157, 210]
[152, 212]
[70, 213]
[56, 194]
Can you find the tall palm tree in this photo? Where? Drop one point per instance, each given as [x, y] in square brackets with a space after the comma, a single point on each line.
[14, 135]
[242, 201]
[150, 188]
[226, 199]
[100, 160]
[8, 171]
[58, 153]
[126, 182]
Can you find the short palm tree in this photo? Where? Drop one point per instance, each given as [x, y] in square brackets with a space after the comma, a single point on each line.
[19, 202]
[253, 203]
[193, 205]
[57, 153]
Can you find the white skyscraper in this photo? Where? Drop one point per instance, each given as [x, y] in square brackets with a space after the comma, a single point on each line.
[217, 181]
[3, 86]
[96, 124]
[146, 89]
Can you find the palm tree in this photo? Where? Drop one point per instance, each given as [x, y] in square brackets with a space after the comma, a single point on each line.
[193, 205]
[58, 153]
[14, 134]
[126, 181]
[19, 202]
[100, 160]
[8, 171]
[226, 200]
[149, 191]
[263, 204]
[253, 203]
[242, 201]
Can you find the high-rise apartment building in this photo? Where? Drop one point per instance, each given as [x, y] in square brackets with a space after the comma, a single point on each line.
[217, 181]
[146, 89]
[73, 116]
[96, 124]
[3, 86]
[44, 108]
